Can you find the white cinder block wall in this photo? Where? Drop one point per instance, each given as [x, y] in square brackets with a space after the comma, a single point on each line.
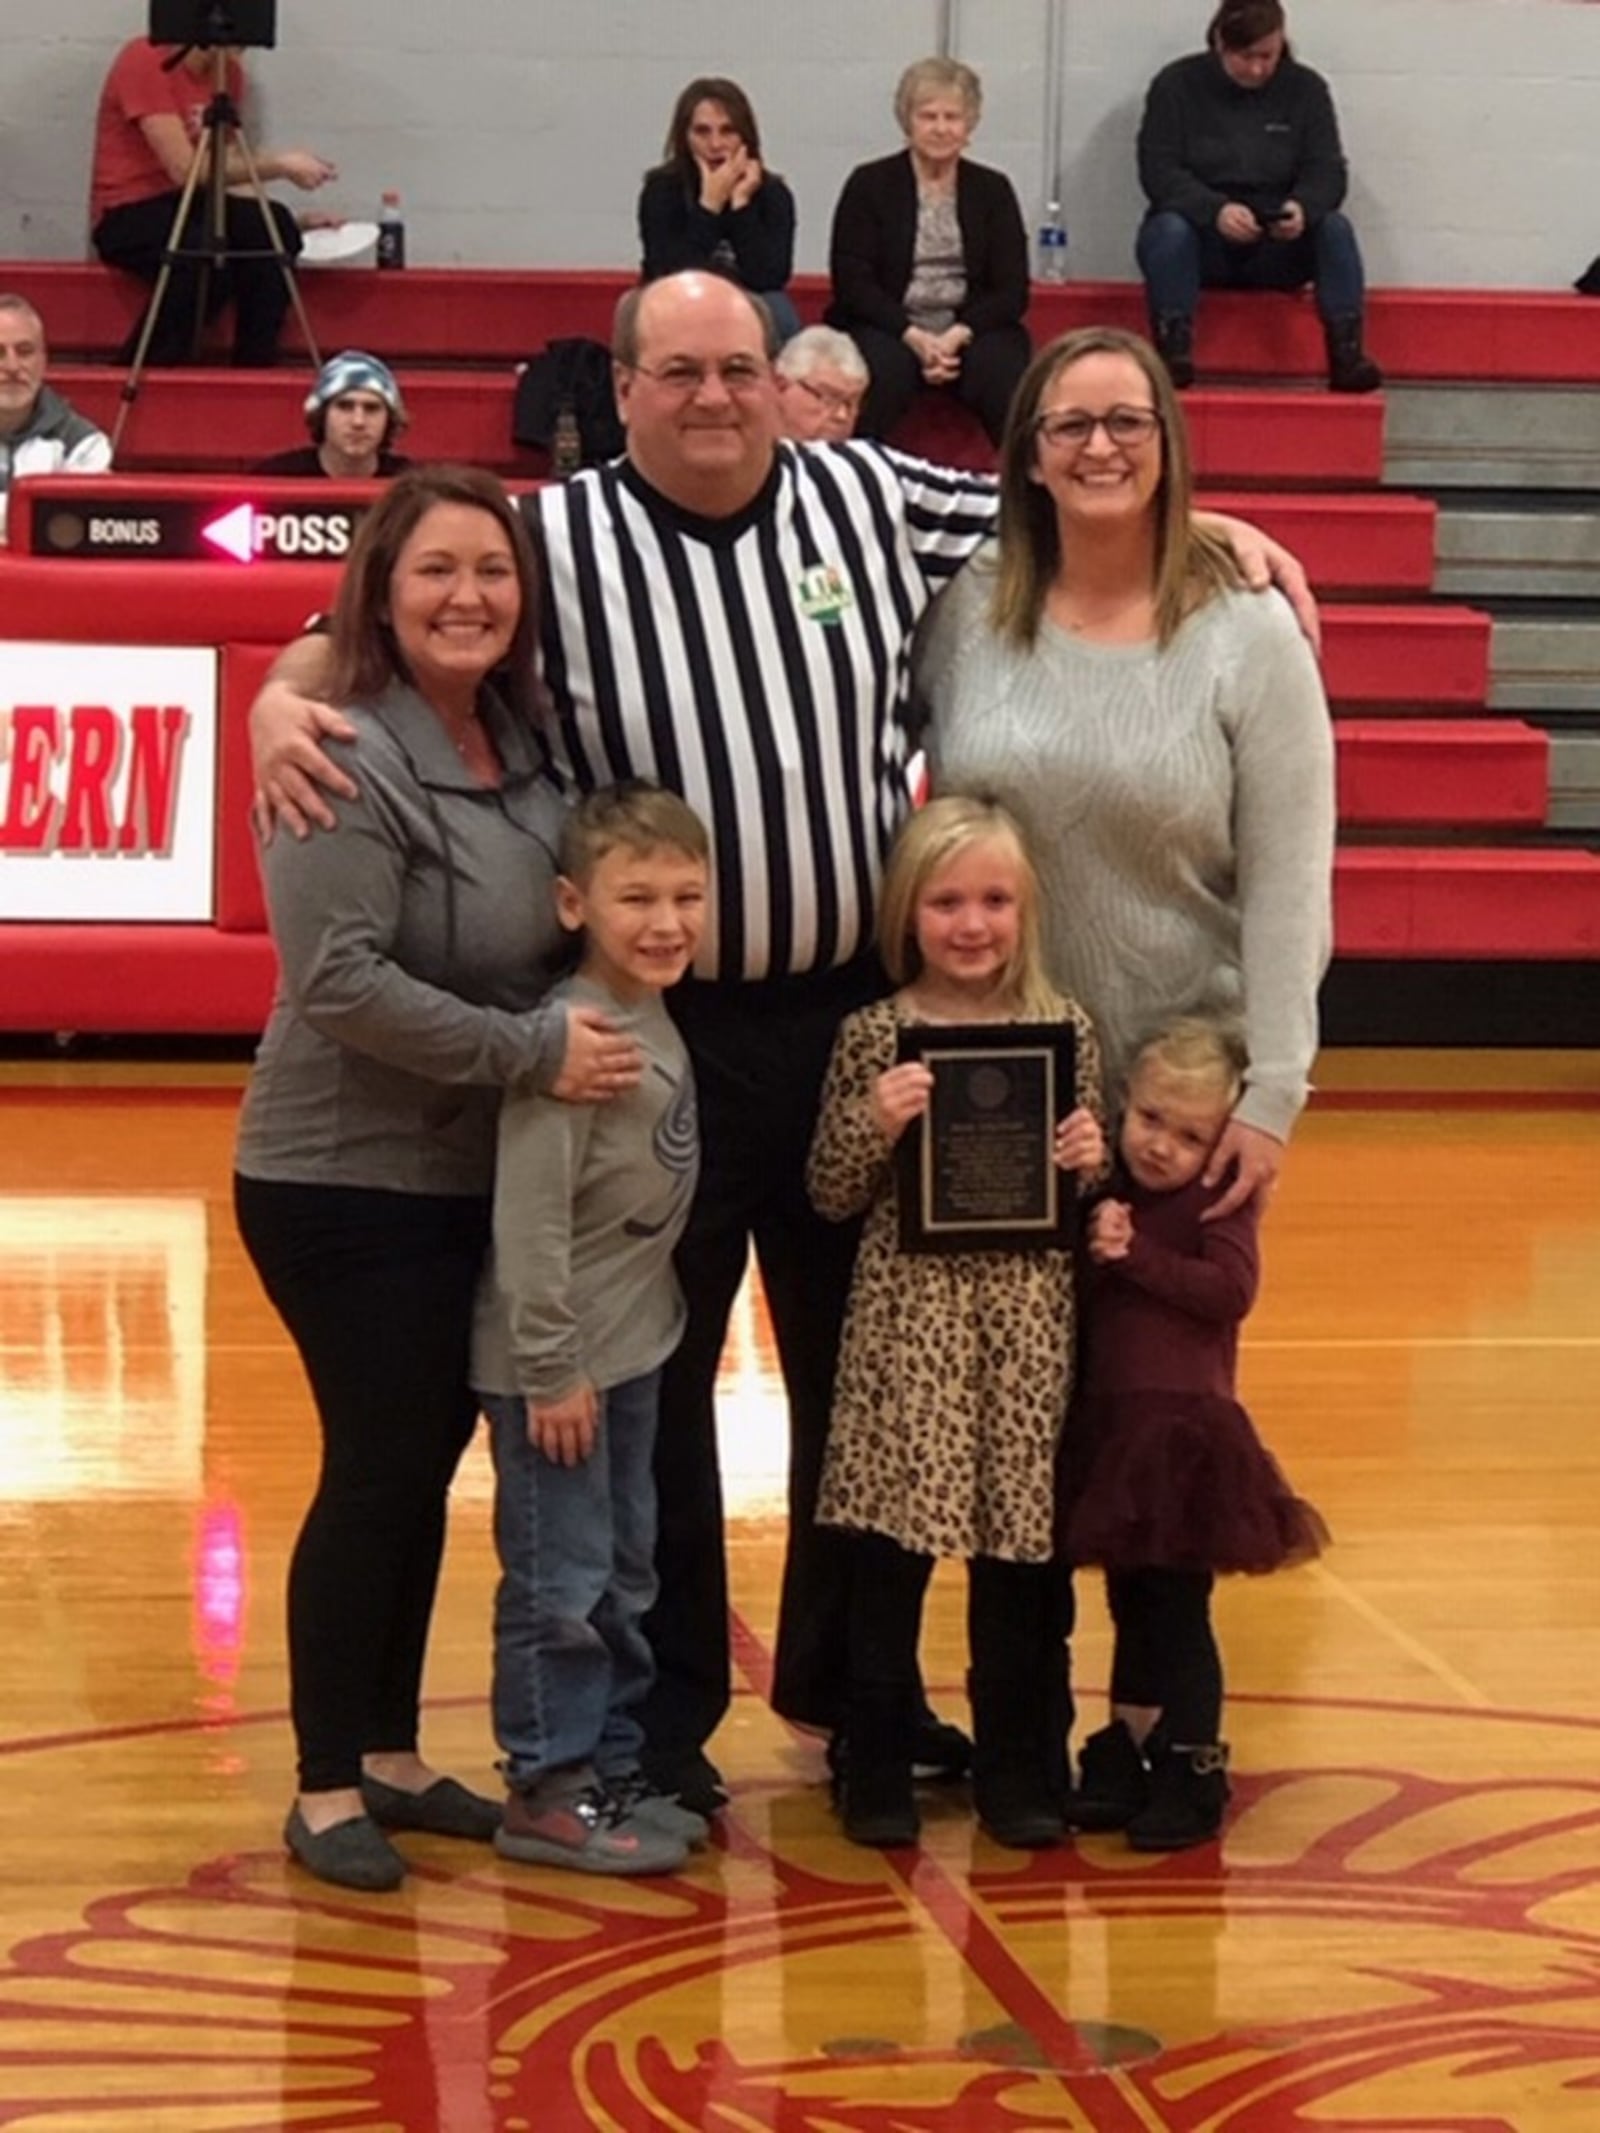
[517, 130]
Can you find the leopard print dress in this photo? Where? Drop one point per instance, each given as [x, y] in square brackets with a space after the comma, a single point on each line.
[954, 1369]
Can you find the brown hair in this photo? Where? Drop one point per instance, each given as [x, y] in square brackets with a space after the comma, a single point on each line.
[931, 839]
[1191, 565]
[1238, 24]
[676, 154]
[634, 815]
[366, 657]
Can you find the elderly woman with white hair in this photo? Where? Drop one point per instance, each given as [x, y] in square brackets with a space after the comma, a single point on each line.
[822, 381]
[930, 260]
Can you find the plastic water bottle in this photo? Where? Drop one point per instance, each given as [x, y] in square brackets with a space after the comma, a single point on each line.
[1052, 244]
[391, 232]
[566, 446]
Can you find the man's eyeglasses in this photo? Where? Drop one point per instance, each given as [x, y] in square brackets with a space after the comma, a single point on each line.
[1122, 425]
[740, 374]
[846, 406]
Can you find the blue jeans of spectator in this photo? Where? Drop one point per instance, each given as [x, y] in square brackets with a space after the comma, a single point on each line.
[577, 1577]
[1178, 261]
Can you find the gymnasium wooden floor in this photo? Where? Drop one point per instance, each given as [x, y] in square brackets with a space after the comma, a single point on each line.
[1400, 1930]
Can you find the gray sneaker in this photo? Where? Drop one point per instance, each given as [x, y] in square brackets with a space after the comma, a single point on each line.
[637, 1796]
[570, 1819]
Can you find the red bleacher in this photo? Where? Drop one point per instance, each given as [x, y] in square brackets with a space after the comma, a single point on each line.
[482, 315]
[1420, 758]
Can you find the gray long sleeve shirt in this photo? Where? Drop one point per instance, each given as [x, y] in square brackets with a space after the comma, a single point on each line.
[414, 946]
[589, 1202]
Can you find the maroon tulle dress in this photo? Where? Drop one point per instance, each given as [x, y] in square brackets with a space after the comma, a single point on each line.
[1163, 1468]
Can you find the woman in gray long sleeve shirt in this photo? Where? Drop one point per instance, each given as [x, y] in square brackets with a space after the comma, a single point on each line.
[1161, 735]
[414, 948]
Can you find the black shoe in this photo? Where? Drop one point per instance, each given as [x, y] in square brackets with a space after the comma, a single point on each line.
[353, 1854]
[1113, 1780]
[1188, 1792]
[1018, 1808]
[876, 1803]
[443, 1809]
[941, 1754]
[688, 1776]
[1174, 339]
[1350, 368]
[1015, 1772]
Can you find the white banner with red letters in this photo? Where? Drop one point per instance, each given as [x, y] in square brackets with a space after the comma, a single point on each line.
[108, 758]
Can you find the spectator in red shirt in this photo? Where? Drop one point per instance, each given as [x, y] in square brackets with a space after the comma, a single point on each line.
[147, 134]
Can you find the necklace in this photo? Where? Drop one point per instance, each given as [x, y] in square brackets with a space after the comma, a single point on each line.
[459, 731]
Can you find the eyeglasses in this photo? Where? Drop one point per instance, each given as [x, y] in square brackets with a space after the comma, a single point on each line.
[845, 405]
[1072, 430]
[740, 374]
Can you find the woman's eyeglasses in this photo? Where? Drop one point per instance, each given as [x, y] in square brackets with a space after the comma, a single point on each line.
[1072, 429]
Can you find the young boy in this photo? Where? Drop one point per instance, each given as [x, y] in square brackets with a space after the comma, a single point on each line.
[579, 1310]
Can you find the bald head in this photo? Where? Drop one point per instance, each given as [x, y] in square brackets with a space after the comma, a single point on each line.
[693, 374]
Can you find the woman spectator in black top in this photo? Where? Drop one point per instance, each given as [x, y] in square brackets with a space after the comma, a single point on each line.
[711, 202]
[930, 260]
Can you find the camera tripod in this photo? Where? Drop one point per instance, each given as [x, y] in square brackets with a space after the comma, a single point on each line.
[220, 131]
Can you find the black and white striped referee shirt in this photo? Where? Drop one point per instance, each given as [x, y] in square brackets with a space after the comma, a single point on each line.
[758, 666]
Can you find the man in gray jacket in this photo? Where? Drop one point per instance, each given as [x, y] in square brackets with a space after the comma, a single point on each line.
[39, 432]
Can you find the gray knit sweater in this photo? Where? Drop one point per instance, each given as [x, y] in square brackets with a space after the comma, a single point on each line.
[1179, 804]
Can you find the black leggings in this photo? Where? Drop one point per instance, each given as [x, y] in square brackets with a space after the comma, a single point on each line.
[1019, 1615]
[1166, 1654]
[136, 238]
[376, 1289]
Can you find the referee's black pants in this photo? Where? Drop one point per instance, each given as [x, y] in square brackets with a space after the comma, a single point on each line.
[760, 1051]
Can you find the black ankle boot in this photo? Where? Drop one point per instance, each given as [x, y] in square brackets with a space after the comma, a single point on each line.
[1350, 368]
[1174, 339]
[876, 1803]
[1188, 1792]
[1113, 1780]
[1015, 1775]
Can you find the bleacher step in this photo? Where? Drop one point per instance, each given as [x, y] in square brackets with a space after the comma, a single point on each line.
[1376, 654]
[1525, 549]
[1479, 904]
[1548, 662]
[1442, 772]
[1492, 437]
[1375, 543]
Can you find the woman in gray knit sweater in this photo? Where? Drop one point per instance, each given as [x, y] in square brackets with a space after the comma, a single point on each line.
[1161, 733]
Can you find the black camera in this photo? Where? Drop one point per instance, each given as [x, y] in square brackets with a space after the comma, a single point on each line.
[214, 22]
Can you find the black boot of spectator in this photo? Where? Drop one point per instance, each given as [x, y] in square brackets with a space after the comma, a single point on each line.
[1350, 368]
[1174, 339]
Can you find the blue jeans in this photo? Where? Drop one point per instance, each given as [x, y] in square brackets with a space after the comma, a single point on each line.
[1178, 261]
[577, 1576]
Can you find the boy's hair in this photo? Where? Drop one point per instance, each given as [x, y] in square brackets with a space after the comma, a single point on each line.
[635, 815]
[1192, 1049]
[933, 837]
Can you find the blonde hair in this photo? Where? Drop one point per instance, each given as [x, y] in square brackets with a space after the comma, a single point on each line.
[934, 836]
[632, 816]
[1204, 1054]
[937, 77]
[1192, 566]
